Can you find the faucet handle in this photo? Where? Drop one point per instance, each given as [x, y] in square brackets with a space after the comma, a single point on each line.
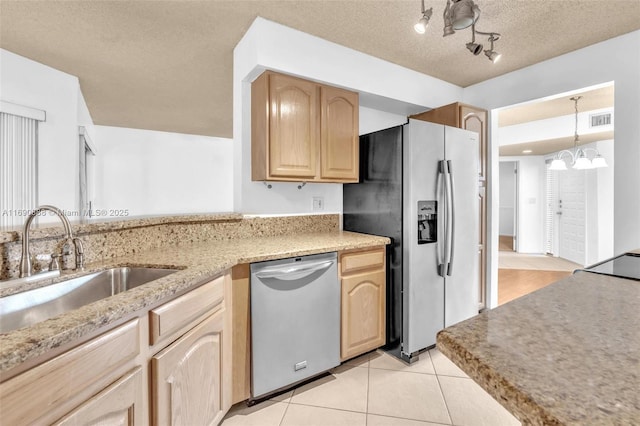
[79, 251]
[54, 265]
[66, 247]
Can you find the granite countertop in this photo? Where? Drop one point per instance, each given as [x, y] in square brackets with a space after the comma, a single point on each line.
[54, 229]
[566, 354]
[198, 263]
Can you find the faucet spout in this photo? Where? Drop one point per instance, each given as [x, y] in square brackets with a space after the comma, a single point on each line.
[25, 261]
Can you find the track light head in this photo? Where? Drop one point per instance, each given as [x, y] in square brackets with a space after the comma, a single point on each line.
[474, 48]
[421, 26]
[464, 13]
[493, 55]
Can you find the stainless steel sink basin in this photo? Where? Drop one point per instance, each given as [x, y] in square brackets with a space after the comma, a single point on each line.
[33, 306]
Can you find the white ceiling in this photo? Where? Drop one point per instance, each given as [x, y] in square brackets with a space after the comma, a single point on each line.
[167, 65]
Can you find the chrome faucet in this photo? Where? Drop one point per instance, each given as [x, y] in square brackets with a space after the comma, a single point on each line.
[25, 260]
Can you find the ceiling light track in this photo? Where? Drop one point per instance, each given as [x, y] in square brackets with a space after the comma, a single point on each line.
[459, 15]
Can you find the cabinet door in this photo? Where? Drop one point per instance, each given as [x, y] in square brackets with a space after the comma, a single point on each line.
[119, 404]
[475, 119]
[186, 377]
[363, 313]
[339, 134]
[294, 127]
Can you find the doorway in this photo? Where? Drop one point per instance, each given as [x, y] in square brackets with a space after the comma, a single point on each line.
[508, 206]
[565, 215]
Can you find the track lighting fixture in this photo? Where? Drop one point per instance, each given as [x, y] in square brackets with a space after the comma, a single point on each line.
[579, 159]
[421, 26]
[492, 54]
[474, 47]
[458, 15]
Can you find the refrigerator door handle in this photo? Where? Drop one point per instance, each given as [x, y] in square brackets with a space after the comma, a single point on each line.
[441, 191]
[439, 196]
[452, 201]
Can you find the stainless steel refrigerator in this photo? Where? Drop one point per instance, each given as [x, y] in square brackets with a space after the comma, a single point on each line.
[419, 186]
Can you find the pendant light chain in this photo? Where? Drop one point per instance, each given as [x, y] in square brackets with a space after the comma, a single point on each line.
[576, 137]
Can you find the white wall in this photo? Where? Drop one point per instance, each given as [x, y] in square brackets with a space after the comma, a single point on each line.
[372, 120]
[531, 202]
[138, 171]
[29, 83]
[616, 60]
[383, 86]
[604, 246]
[507, 197]
[148, 172]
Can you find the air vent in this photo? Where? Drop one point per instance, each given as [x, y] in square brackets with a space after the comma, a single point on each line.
[597, 120]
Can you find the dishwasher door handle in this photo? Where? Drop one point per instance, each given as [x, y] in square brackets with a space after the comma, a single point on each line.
[289, 272]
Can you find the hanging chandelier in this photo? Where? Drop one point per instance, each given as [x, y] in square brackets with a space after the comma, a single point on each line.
[579, 159]
[459, 15]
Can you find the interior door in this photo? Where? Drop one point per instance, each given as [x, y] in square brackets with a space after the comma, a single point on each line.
[572, 206]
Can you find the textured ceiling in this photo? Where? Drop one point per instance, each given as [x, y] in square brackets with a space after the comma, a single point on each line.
[167, 65]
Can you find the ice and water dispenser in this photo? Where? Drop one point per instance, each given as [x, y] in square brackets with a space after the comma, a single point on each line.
[427, 222]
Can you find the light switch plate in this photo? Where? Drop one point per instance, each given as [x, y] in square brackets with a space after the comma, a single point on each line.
[318, 204]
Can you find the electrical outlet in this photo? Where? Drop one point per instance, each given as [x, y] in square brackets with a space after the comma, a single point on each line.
[318, 204]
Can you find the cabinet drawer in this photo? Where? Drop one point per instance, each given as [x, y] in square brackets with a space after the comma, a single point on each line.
[170, 317]
[360, 260]
[54, 386]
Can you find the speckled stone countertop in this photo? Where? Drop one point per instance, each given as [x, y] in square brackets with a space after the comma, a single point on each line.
[567, 354]
[55, 228]
[198, 263]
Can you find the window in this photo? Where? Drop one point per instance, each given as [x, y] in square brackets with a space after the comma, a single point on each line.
[18, 163]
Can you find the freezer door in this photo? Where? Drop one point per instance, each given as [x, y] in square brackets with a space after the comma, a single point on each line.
[461, 281]
[423, 289]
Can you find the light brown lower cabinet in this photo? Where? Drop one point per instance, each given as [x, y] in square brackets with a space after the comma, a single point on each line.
[363, 294]
[48, 392]
[187, 377]
[121, 403]
[176, 371]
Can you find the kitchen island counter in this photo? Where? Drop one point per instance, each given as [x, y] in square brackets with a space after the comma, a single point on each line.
[566, 354]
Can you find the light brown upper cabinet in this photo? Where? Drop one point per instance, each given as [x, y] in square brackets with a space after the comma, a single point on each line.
[302, 131]
[475, 119]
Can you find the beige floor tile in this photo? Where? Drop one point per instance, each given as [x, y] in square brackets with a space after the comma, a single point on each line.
[470, 405]
[444, 366]
[385, 361]
[406, 395]
[268, 413]
[344, 389]
[375, 420]
[304, 415]
[360, 361]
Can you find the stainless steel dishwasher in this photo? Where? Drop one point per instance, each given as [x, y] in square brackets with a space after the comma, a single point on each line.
[295, 321]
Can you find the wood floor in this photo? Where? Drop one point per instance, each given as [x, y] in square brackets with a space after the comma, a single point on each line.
[505, 243]
[513, 283]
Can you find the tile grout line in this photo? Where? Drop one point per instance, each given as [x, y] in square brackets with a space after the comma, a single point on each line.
[366, 414]
[441, 391]
[286, 409]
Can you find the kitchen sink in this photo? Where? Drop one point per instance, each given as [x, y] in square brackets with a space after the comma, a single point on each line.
[33, 306]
